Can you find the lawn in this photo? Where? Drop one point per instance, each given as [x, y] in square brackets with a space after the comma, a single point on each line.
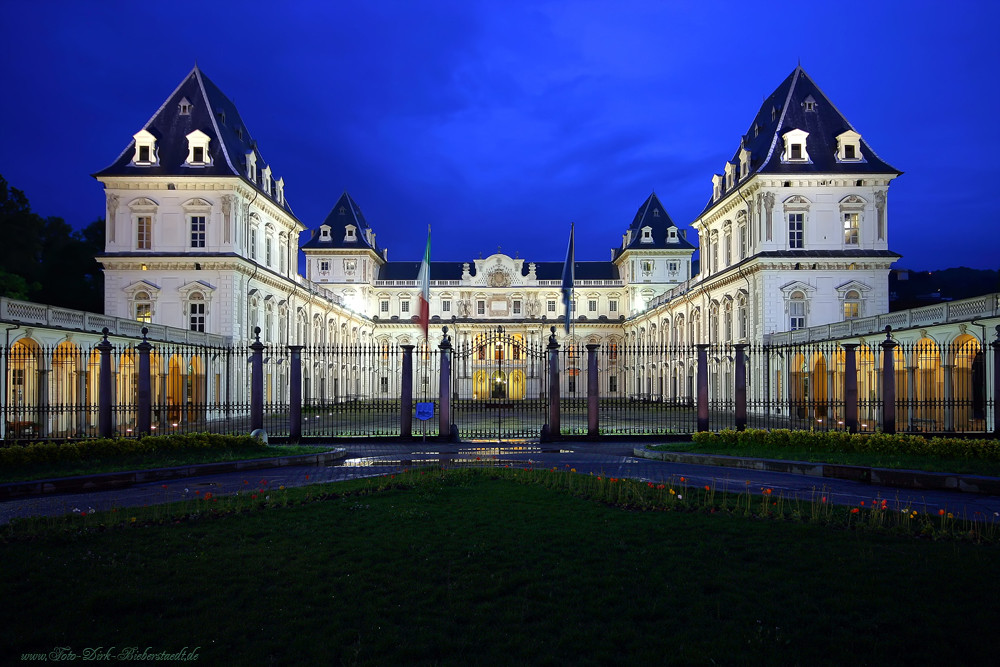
[165, 459]
[967, 466]
[475, 567]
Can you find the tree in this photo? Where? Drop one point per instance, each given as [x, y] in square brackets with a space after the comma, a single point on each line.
[45, 260]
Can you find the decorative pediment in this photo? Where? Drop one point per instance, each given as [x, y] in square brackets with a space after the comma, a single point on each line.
[141, 286]
[796, 285]
[855, 285]
[200, 286]
[142, 203]
[197, 203]
[852, 201]
[797, 201]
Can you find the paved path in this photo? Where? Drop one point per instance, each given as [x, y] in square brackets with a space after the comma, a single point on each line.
[612, 459]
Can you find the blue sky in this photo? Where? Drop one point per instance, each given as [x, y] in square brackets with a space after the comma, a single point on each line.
[499, 123]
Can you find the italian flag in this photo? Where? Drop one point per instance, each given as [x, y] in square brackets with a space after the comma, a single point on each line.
[424, 279]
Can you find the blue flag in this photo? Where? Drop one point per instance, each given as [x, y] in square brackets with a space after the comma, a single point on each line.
[568, 276]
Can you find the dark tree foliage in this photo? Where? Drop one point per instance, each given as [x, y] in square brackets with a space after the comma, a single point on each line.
[45, 260]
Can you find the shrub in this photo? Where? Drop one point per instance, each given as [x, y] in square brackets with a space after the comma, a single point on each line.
[109, 448]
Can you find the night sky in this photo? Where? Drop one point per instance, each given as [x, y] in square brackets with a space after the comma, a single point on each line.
[500, 123]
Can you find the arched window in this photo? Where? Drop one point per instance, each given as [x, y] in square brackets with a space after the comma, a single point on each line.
[852, 304]
[196, 311]
[143, 307]
[797, 310]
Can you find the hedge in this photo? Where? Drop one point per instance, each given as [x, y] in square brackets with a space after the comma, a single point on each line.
[842, 441]
[52, 452]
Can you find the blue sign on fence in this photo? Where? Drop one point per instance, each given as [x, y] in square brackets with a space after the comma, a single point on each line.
[425, 411]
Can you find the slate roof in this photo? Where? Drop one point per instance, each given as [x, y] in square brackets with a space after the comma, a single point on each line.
[214, 114]
[784, 110]
[346, 212]
[543, 270]
[653, 214]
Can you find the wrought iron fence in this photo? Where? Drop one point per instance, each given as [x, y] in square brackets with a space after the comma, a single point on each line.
[499, 387]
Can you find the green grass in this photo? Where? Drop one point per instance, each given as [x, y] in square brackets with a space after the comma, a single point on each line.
[146, 461]
[492, 567]
[874, 460]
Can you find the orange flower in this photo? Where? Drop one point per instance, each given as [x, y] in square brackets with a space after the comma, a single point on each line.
[706, 487]
[941, 512]
[855, 510]
[682, 479]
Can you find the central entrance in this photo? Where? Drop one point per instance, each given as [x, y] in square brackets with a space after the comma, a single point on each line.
[499, 386]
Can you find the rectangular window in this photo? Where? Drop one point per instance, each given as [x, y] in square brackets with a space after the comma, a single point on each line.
[852, 310]
[199, 154]
[729, 249]
[383, 306]
[143, 232]
[743, 242]
[324, 265]
[143, 153]
[253, 243]
[197, 231]
[446, 306]
[796, 151]
[517, 307]
[267, 251]
[673, 267]
[715, 256]
[612, 385]
[592, 306]
[795, 230]
[851, 228]
[647, 266]
[197, 317]
[404, 306]
[849, 153]
[551, 306]
[144, 312]
[797, 313]
[384, 384]
[480, 307]
[612, 306]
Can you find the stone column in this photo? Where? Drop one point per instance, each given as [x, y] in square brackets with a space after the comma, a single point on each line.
[593, 392]
[256, 383]
[444, 393]
[888, 383]
[144, 393]
[553, 353]
[740, 394]
[702, 386]
[295, 393]
[406, 394]
[949, 412]
[105, 426]
[911, 396]
[851, 387]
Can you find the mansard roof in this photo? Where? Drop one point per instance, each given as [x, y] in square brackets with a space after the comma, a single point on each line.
[653, 214]
[543, 270]
[799, 104]
[215, 115]
[344, 213]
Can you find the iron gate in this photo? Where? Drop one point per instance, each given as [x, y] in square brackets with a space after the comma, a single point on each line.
[500, 386]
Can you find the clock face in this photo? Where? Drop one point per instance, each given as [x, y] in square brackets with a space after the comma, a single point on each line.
[499, 279]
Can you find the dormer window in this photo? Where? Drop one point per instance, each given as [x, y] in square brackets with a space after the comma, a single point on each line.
[716, 187]
[809, 104]
[848, 146]
[647, 235]
[266, 180]
[656, 213]
[198, 149]
[744, 163]
[730, 171]
[795, 146]
[145, 149]
[672, 235]
[184, 107]
[350, 233]
[324, 233]
[252, 166]
[279, 190]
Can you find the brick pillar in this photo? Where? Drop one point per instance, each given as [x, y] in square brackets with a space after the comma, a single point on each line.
[295, 394]
[851, 386]
[593, 391]
[144, 392]
[444, 394]
[888, 383]
[553, 350]
[105, 426]
[406, 394]
[702, 386]
[256, 382]
[741, 387]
